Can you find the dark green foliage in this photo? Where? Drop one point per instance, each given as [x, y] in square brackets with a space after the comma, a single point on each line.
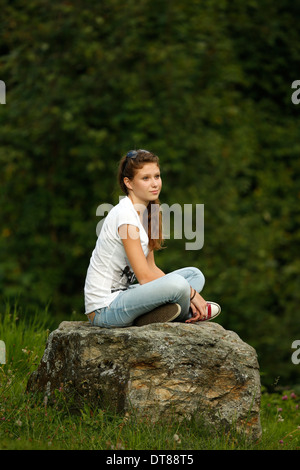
[206, 86]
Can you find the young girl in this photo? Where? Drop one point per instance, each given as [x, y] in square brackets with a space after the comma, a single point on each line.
[124, 251]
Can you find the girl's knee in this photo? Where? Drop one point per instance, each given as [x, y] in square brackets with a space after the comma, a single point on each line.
[180, 286]
[197, 279]
[200, 279]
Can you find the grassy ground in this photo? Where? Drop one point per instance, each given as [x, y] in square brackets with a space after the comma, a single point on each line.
[31, 424]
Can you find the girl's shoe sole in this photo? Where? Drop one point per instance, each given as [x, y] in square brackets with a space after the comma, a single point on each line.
[162, 314]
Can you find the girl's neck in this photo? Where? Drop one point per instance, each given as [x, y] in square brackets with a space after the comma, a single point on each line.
[138, 202]
[139, 205]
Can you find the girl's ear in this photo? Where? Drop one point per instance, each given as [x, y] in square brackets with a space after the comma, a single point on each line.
[127, 182]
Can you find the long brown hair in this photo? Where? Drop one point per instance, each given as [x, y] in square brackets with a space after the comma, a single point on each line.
[153, 221]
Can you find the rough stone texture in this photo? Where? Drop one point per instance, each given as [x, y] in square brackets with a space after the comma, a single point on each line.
[157, 370]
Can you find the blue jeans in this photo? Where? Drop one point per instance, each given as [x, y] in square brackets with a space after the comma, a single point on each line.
[139, 299]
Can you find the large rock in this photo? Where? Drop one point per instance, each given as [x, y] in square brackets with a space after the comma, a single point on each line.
[156, 370]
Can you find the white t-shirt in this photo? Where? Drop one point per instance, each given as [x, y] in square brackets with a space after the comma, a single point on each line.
[109, 271]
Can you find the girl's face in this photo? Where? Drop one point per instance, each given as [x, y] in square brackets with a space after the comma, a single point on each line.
[146, 184]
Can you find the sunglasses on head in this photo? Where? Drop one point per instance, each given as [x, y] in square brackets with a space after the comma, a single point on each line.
[133, 153]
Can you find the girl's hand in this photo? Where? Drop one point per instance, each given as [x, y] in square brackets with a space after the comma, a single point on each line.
[198, 307]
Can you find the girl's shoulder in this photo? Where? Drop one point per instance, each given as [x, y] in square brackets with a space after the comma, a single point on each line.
[123, 206]
[122, 211]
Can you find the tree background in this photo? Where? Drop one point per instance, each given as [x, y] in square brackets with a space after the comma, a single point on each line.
[207, 87]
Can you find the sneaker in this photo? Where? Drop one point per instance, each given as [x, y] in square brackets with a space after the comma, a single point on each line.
[161, 314]
[213, 310]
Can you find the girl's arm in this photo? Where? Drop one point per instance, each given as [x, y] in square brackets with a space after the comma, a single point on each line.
[142, 267]
[152, 265]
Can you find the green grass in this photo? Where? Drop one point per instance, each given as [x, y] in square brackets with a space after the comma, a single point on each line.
[30, 423]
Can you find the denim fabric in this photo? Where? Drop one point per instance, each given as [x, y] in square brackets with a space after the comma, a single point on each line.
[139, 299]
